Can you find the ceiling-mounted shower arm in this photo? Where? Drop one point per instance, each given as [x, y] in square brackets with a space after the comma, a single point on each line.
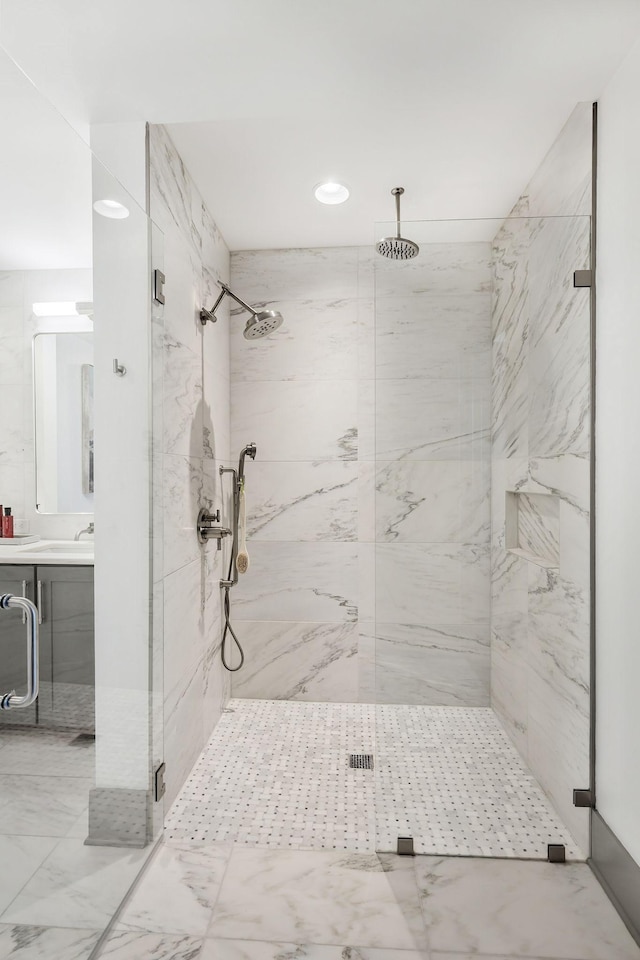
[210, 315]
[397, 193]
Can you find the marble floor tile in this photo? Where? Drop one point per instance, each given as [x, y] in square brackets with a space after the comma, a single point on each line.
[520, 909]
[261, 950]
[25, 854]
[178, 891]
[49, 752]
[46, 943]
[126, 945]
[42, 806]
[76, 886]
[319, 897]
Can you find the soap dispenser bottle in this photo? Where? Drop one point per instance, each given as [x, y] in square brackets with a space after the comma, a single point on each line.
[7, 523]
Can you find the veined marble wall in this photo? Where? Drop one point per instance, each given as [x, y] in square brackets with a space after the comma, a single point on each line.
[19, 290]
[373, 463]
[191, 393]
[432, 471]
[541, 444]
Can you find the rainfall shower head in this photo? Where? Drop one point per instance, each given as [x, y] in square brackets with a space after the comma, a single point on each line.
[259, 324]
[397, 248]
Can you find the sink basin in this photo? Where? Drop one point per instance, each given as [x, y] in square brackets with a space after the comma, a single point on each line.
[71, 546]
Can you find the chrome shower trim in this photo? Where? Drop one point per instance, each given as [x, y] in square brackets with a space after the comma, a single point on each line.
[260, 324]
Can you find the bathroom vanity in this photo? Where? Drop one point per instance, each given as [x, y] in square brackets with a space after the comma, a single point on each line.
[58, 577]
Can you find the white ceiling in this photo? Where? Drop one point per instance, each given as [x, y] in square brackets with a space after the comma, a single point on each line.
[456, 100]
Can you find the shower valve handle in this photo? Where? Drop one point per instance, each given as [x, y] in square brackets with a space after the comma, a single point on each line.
[207, 530]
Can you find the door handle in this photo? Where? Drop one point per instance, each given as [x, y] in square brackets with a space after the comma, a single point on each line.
[40, 601]
[9, 701]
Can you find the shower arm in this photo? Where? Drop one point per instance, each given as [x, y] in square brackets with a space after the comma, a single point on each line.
[210, 315]
[397, 192]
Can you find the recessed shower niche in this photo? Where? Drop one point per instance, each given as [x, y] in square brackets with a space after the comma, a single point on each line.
[532, 527]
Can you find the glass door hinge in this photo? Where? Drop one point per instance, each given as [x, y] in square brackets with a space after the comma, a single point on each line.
[583, 798]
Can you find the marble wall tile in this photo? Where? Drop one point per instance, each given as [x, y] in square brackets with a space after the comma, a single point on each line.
[192, 376]
[432, 582]
[509, 675]
[298, 661]
[561, 186]
[183, 419]
[442, 501]
[216, 415]
[538, 523]
[302, 501]
[173, 194]
[183, 495]
[299, 581]
[297, 420]
[451, 268]
[366, 581]
[12, 439]
[12, 360]
[442, 665]
[558, 641]
[559, 332]
[432, 419]
[318, 340]
[510, 332]
[183, 676]
[11, 295]
[326, 273]
[433, 336]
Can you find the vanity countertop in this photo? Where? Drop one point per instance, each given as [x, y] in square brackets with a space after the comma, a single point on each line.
[67, 553]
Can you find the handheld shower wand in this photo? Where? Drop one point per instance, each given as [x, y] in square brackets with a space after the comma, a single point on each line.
[232, 577]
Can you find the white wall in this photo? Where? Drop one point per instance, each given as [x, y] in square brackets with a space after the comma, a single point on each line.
[618, 456]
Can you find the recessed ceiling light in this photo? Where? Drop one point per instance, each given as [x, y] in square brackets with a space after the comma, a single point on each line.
[331, 192]
[111, 209]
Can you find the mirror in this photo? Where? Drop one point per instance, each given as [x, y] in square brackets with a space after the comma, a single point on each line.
[63, 405]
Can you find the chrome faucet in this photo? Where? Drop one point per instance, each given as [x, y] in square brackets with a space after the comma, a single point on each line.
[90, 530]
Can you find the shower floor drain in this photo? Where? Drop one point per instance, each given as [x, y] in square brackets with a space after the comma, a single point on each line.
[361, 761]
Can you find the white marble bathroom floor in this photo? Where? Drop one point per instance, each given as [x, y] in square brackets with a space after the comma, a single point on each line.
[226, 901]
[276, 774]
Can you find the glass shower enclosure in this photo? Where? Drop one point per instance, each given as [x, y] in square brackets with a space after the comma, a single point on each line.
[479, 584]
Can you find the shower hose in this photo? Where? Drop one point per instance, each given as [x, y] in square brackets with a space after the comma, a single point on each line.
[228, 629]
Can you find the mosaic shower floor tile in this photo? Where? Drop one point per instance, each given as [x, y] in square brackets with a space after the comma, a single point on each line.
[277, 774]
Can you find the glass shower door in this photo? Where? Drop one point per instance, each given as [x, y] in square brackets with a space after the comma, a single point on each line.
[482, 537]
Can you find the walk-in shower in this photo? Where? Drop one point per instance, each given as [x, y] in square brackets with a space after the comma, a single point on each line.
[260, 323]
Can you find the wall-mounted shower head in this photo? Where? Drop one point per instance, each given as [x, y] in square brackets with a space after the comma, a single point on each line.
[397, 248]
[260, 323]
